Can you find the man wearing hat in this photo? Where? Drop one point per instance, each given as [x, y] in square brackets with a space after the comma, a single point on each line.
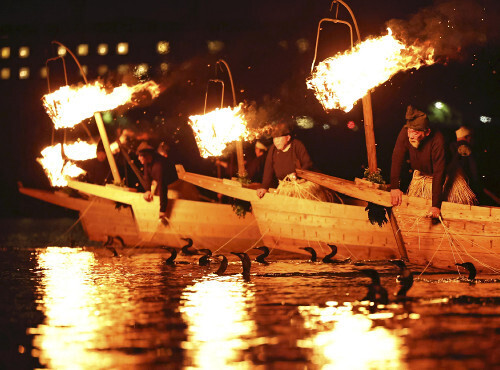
[284, 157]
[426, 150]
[159, 172]
[255, 166]
[463, 162]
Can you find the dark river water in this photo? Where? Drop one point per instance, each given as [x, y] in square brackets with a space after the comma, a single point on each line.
[81, 308]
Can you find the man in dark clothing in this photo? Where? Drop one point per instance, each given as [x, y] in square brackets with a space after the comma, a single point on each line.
[426, 149]
[98, 170]
[159, 172]
[255, 166]
[284, 157]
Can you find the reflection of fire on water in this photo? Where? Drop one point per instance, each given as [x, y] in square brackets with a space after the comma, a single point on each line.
[215, 130]
[341, 80]
[69, 105]
[354, 341]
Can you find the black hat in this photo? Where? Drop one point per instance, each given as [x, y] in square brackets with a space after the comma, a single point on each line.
[416, 120]
[144, 147]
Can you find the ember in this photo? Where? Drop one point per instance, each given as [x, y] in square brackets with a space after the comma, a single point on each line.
[340, 81]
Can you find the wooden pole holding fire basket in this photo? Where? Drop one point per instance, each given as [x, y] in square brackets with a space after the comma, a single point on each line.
[367, 109]
[100, 125]
[239, 146]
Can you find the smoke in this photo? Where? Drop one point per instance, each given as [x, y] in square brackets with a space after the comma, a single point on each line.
[451, 26]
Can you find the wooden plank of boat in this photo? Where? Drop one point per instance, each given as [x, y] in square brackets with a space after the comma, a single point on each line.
[350, 188]
[292, 223]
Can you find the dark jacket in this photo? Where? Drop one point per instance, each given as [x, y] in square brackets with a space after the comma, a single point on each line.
[255, 168]
[429, 159]
[162, 170]
[279, 164]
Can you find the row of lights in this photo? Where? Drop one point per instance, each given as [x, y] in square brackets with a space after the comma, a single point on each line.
[139, 70]
[122, 48]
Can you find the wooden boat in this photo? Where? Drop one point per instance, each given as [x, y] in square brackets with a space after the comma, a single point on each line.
[119, 212]
[464, 234]
[290, 224]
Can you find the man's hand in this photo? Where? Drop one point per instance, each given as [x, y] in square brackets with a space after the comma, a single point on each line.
[148, 196]
[434, 212]
[396, 197]
[261, 192]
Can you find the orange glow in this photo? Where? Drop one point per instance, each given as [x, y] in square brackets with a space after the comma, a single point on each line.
[215, 130]
[70, 105]
[217, 312]
[341, 80]
[345, 340]
[57, 169]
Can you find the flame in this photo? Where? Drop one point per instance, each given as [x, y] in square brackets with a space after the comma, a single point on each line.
[70, 105]
[341, 80]
[58, 169]
[215, 130]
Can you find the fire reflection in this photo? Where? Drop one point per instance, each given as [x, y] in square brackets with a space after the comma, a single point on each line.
[348, 340]
[76, 319]
[217, 312]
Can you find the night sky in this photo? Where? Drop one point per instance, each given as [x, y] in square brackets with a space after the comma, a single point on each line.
[262, 46]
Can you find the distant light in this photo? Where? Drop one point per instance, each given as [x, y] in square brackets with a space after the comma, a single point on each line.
[302, 45]
[122, 48]
[439, 105]
[5, 73]
[283, 44]
[326, 126]
[123, 69]
[24, 73]
[85, 70]
[215, 46]
[83, 49]
[5, 52]
[43, 72]
[164, 67]
[141, 70]
[24, 52]
[305, 122]
[485, 119]
[61, 51]
[163, 47]
[351, 125]
[102, 69]
[102, 49]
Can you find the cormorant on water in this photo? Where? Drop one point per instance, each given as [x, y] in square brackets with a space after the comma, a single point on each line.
[376, 292]
[108, 244]
[312, 251]
[261, 258]
[205, 260]
[185, 249]
[470, 267]
[173, 255]
[246, 263]
[120, 239]
[328, 257]
[405, 278]
[223, 265]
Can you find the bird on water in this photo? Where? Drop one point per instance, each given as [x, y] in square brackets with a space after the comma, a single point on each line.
[262, 257]
[185, 251]
[205, 259]
[376, 292]
[313, 253]
[246, 263]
